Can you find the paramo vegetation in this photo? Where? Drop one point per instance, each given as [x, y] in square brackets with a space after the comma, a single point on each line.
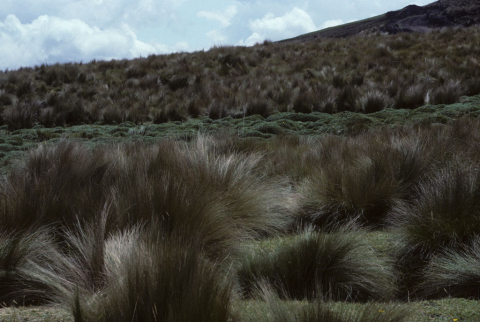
[351, 228]
[327, 180]
[364, 73]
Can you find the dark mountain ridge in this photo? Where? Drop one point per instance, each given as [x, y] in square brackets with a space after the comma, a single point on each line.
[412, 18]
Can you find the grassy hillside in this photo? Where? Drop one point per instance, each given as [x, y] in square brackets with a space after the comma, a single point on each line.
[331, 180]
[363, 74]
[412, 18]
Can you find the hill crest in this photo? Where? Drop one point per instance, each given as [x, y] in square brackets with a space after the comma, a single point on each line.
[412, 18]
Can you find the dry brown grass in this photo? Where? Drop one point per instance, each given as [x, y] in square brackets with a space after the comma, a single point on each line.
[364, 73]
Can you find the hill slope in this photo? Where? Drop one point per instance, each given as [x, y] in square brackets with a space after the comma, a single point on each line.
[442, 13]
[365, 73]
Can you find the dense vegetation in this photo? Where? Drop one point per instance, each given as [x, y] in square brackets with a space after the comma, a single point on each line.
[241, 229]
[366, 73]
[332, 180]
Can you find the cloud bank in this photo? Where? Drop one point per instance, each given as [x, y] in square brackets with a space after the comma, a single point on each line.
[34, 32]
[223, 17]
[51, 39]
[291, 24]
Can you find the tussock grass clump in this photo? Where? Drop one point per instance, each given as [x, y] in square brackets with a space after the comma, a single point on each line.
[30, 266]
[352, 184]
[87, 253]
[412, 158]
[374, 101]
[447, 94]
[54, 186]
[258, 107]
[453, 273]
[364, 192]
[333, 267]
[445, 215]
[291, 156]
[192, 189]
[362, 178]
[216, 110]
[158, 281]
[185, 186]
[446, 210]
[117, 231]
[410, 97]
[274, 309]
[20, 116]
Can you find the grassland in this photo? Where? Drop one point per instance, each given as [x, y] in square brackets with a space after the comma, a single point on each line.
[100, 204]
[362, 74]
[330, 180]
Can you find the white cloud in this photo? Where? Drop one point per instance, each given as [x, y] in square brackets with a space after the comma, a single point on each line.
[216, 36]
[291, 24]
[100, 13]
[293, 21]
[331, 23]
[255, 38]
[51, 39]
[181, 46]
[223, 17]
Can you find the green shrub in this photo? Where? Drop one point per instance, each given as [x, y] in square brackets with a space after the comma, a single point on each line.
[270, 128]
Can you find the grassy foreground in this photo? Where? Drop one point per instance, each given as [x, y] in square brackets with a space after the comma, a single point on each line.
[376, 223]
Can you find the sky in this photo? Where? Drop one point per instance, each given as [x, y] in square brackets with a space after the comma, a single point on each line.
[35, 32]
